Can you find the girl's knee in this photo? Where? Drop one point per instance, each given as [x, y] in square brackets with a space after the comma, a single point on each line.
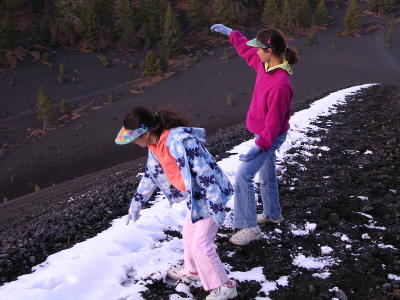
[243, 174]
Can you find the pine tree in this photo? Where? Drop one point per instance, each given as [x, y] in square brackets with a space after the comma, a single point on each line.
[64, 107]
[171, 44]
[66, 19]
[287, 17]
[389, 36]
[321, 16]
[381, 6]
[304, 14]
[163, 62]
[90, 25]
[149, 17]
[44, 107]
[340, 3]
[352, 18]
[150, 66]
[9, 34]
[38, 6]
[271, 13]
[313, 4]
[104, 11]
[222, 12]
[124, 22]
[45, 32]
[373, 5]
[197, 14]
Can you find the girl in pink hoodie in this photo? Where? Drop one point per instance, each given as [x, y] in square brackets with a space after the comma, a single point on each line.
[268, 118]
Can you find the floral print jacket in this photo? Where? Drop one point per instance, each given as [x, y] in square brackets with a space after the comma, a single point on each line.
[208, 188]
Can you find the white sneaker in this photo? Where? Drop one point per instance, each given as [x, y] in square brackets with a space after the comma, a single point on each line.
[224, 292]
[245, 236]
[262, 220]
[180, 272]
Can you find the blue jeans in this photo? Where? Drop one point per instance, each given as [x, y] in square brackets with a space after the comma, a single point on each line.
[245, 212]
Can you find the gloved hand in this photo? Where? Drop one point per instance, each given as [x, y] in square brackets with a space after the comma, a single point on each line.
[250, 154]
[133, 215]
[220, 28]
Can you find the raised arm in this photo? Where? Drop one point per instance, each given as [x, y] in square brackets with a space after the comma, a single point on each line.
[239, 41]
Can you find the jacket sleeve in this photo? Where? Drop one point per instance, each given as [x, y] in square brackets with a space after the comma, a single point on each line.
[278, 102]
[239, 41]
[144, 191]
[205, 178]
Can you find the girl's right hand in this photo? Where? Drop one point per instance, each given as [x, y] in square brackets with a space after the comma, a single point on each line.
[221, 28]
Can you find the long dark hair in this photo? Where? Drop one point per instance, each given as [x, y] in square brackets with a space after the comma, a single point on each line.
[276, 40]
[157, 122]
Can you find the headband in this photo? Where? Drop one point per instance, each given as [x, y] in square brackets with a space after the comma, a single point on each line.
[126, 136]
[257, 44]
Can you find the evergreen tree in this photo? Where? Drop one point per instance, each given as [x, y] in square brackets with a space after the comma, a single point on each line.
[171, 44]
[321, 16]
[339, 3]
[313, 4]
[150, 18]
[373, 5]
[45, 32]
[8, 34]
[90, 25]
[64, 107]
[44, 107]
[304, 14]
[222, 12]
[38, 6]
[389, 36]
[381, 6]
[197, 14]
[125, 22]
[352, 18]
[163, 63]
[271, 13]
[389, 5]
[150, 66]
[287, 17]
[104, 11]
[66, 19]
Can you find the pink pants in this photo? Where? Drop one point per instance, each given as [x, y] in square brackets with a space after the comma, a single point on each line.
[200, 254]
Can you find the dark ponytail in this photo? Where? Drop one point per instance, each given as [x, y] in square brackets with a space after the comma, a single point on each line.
[291, 55]
[156, 122]
[275, 39]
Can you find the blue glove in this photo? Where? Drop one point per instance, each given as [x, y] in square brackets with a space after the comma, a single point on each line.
[250, 154]
[220, 28]
[133, 215]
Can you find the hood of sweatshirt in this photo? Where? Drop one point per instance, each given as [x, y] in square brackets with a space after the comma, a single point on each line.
[180, 133]
[284, 66]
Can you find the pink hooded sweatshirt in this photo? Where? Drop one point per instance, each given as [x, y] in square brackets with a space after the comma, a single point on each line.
[269, 111]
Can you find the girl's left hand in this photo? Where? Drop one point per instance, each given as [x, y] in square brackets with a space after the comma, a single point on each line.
[221, 28]
[250, 154]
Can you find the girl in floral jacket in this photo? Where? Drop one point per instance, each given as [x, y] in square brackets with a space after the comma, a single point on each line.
[182, 168]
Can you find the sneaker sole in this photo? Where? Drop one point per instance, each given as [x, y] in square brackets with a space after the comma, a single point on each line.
[264, 221]
[237, 243]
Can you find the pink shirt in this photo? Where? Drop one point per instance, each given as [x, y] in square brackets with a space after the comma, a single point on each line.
[269, 112]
